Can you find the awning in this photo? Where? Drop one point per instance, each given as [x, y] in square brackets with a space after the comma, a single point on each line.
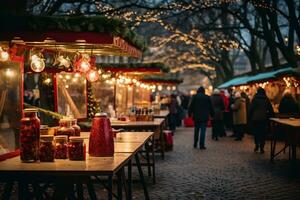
[96, 35]
[289, 71]
[234, 82]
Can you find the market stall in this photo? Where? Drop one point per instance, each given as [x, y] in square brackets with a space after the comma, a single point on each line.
[57, 57]
[275, 82]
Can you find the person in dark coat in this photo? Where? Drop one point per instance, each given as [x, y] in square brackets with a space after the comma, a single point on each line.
[200, 109]
[217, 120]
[173, 108]
[259, 113]
[288, 106]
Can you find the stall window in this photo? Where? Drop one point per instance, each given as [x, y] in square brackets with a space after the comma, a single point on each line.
[105, 95]
[141, 96]
[121, 99]
[71, 95]
[39, 92]
[10, 106]
[129, 96]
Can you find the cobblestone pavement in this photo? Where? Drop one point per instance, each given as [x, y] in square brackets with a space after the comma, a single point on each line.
[227, 169]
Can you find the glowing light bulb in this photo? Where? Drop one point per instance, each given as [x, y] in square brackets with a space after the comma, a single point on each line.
[9, 73]
[84, 66]
[4, 55]
[160, 88]
[92, 75]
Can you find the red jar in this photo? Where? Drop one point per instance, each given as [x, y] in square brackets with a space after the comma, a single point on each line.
[76, 148]
[29, 136]
[101, 143]
[61, 147]
[76, 127]
[47, 150]
[65, 128]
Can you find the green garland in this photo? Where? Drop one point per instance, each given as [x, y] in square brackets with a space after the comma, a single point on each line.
[161, 66]
[54, 115]
[92, 104]
[172, 78]
[99, 24]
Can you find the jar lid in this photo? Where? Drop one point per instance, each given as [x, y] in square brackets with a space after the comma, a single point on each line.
[46, 138]
[44, 127]
[30, 110]
[61, 138]
[76, 139]
[102, 114]
[26, 120]
[63, 120]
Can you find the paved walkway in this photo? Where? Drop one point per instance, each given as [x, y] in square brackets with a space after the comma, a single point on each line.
[227, 169]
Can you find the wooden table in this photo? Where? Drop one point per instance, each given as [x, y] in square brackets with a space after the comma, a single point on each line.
[164, 114]
[138, 137]
[64, 173]
[155, 126]
[292, 133]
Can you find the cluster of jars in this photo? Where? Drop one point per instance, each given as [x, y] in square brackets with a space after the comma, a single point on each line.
[67, 142]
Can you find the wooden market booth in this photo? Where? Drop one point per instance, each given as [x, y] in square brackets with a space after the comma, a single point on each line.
[275, 83]
[47, 62]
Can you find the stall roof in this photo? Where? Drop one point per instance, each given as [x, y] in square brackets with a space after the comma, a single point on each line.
[235, 81]
[134, 67]
[96, 34]
[289, 71]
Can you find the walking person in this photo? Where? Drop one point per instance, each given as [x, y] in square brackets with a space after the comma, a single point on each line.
[217, 120]
[225, 97]
[288, 105]
[239, 116]
[200, 109]
[259, 113]
[173, 108]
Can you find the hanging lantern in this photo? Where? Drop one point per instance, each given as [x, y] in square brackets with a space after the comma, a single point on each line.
[37, 63]
[4, 55]
[92, 75]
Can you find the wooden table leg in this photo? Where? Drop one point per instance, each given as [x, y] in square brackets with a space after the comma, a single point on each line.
[109, 187]
[119, 184]
[153, 161]
[137, 160]
[129, 180]
[148, 159]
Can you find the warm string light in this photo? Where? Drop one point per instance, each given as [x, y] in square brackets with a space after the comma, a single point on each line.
[4, 55]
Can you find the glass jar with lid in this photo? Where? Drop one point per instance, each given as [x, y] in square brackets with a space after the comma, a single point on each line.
[76, 127]
[61, 147]
[76, 148]
[47, 150]
[65, 128]
[29, 141]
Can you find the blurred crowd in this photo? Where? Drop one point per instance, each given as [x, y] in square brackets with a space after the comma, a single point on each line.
[228, 111]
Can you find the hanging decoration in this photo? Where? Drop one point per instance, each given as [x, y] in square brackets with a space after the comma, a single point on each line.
[37, 62]
[64, 61]
[4, 55]
[82, 63]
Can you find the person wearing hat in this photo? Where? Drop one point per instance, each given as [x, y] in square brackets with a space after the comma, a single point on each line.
[239, 115]
[200, 109]
[217, 120]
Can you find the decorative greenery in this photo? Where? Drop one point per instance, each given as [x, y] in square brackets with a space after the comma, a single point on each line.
[92, 104]
[128, 66]
[54, 115]
[166, 78]
[99, 24]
